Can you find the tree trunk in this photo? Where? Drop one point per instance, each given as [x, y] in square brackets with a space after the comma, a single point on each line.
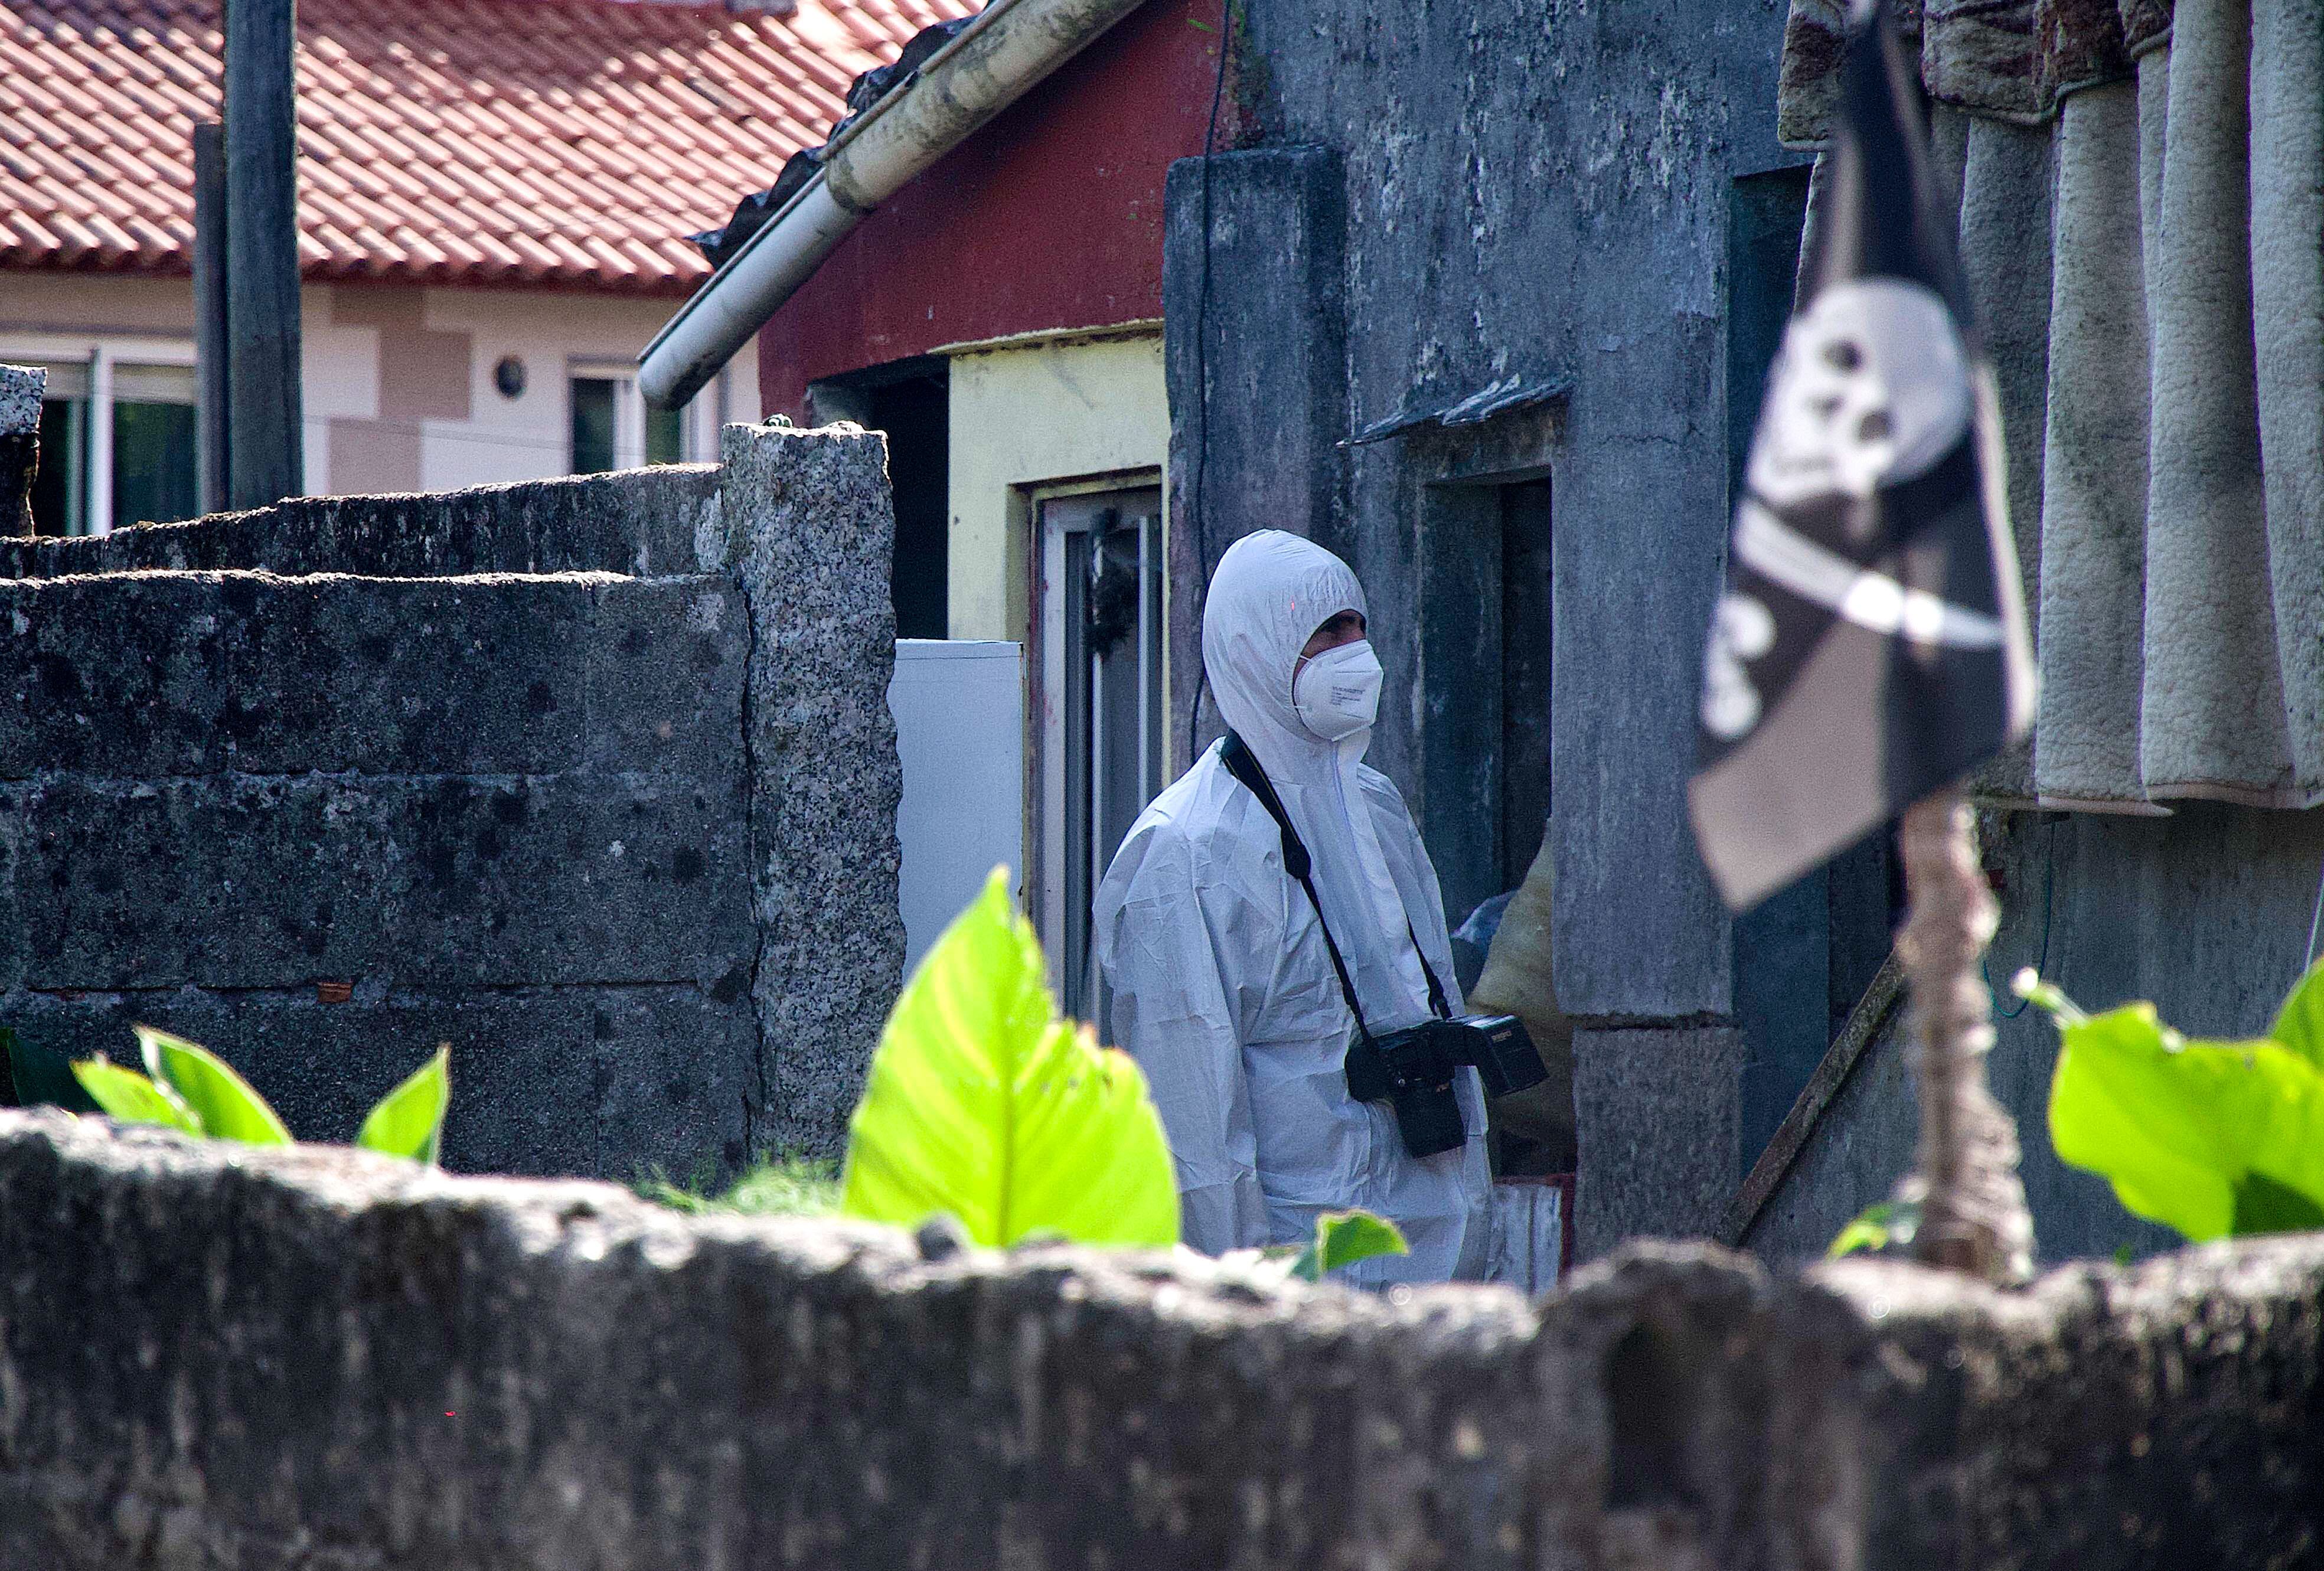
[1973, 1216]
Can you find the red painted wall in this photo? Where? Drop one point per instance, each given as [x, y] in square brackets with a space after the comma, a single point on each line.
[1049, 217]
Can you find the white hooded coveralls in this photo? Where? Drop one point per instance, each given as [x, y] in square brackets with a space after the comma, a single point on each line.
[1222, 988]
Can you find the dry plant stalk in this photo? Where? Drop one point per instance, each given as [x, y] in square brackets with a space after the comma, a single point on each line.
[1973, 1216]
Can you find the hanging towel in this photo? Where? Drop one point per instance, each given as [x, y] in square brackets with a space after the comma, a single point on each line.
[2142, 224]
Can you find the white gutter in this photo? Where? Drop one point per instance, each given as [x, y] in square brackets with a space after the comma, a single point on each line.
[1008, 48]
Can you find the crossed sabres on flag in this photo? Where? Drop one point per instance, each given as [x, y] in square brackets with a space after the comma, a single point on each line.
[1872, 601]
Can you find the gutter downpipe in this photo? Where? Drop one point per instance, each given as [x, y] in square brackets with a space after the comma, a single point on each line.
[1012, 45]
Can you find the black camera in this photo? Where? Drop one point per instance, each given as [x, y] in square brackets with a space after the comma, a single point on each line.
[1412, 1071]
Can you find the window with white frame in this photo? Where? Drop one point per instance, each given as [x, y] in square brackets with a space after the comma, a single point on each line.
[117, 432]
[612, 427]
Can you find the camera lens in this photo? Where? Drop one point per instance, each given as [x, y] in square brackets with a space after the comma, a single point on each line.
[1430, 1120]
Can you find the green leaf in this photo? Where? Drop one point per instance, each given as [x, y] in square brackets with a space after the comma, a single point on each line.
[42, 1078]
[410, 1119]
[982, 1104]
[2182, 1128]
[130, 1097]
[1891, 1222]
[1342, 1238]
[2299, 1024]
[221, 1101]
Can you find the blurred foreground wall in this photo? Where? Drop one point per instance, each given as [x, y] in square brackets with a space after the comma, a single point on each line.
[214, 1356]
[593, 778]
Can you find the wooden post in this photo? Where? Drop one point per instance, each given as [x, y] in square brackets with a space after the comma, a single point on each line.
[264, 423]
[211, 348]
[1973, 1216]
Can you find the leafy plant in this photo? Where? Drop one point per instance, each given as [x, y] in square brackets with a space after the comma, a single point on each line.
[409, 1121]
[2211, 1138]
[783, 1186]
[1344, 1237]
[188, 1087]
[982, 1104]
[1340, 1239]
[1891, 1224]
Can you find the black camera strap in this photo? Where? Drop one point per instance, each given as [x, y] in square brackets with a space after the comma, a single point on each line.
[1244, 766]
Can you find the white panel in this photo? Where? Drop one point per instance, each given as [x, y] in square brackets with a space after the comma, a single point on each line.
[154, 385]
[1527, 1241]
[960, 727]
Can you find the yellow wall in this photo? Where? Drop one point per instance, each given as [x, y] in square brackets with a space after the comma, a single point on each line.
[1033, 414]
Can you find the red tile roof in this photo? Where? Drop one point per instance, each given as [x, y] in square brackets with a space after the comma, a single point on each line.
[483, 141]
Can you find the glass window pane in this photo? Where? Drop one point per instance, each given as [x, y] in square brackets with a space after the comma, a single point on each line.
[593, 425]
[664, 436]
[58, 505]
[153, 470]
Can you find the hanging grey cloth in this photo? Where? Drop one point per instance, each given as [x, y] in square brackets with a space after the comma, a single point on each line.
[2143, 232]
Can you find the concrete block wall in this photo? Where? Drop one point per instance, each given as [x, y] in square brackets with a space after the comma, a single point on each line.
[518, 765]
[395, 1368]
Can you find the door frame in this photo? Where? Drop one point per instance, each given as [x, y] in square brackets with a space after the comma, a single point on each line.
[1046, 784]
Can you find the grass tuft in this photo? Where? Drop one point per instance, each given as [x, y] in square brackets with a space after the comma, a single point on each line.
[779, 1186]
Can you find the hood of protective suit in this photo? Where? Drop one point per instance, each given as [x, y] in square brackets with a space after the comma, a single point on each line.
[1271, 592]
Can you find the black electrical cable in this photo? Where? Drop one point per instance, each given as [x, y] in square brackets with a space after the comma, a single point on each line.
[2049, 888]
[1199, 502]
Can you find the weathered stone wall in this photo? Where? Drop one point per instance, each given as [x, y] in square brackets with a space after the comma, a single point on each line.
[646, 523]
[221, 1357]
[524, 767]
[21, 387]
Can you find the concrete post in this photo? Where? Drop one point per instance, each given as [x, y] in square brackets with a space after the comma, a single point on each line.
[1254, 283]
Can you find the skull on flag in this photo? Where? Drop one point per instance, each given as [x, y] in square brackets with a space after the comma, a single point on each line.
[1872, 387]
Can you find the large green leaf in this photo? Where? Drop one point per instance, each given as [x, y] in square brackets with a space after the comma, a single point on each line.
[981, 1104]
[2299, 1024]
[410, 1119]
[221, 1101]
[130, 1097]
[2210, 1137]
[1344, 1237]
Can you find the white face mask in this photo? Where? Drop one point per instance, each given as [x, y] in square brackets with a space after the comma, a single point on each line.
[1337, 693]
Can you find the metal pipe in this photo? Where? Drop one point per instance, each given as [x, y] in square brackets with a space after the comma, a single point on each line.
[997, 58]
[212, 396]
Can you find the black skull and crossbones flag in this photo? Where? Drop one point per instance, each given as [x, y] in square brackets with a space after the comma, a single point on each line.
[1870, 646]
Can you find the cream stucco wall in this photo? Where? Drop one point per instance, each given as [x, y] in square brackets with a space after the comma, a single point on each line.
[1028, 416]
[398, 381]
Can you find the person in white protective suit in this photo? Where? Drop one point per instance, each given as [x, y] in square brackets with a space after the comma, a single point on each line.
[1224, 990]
